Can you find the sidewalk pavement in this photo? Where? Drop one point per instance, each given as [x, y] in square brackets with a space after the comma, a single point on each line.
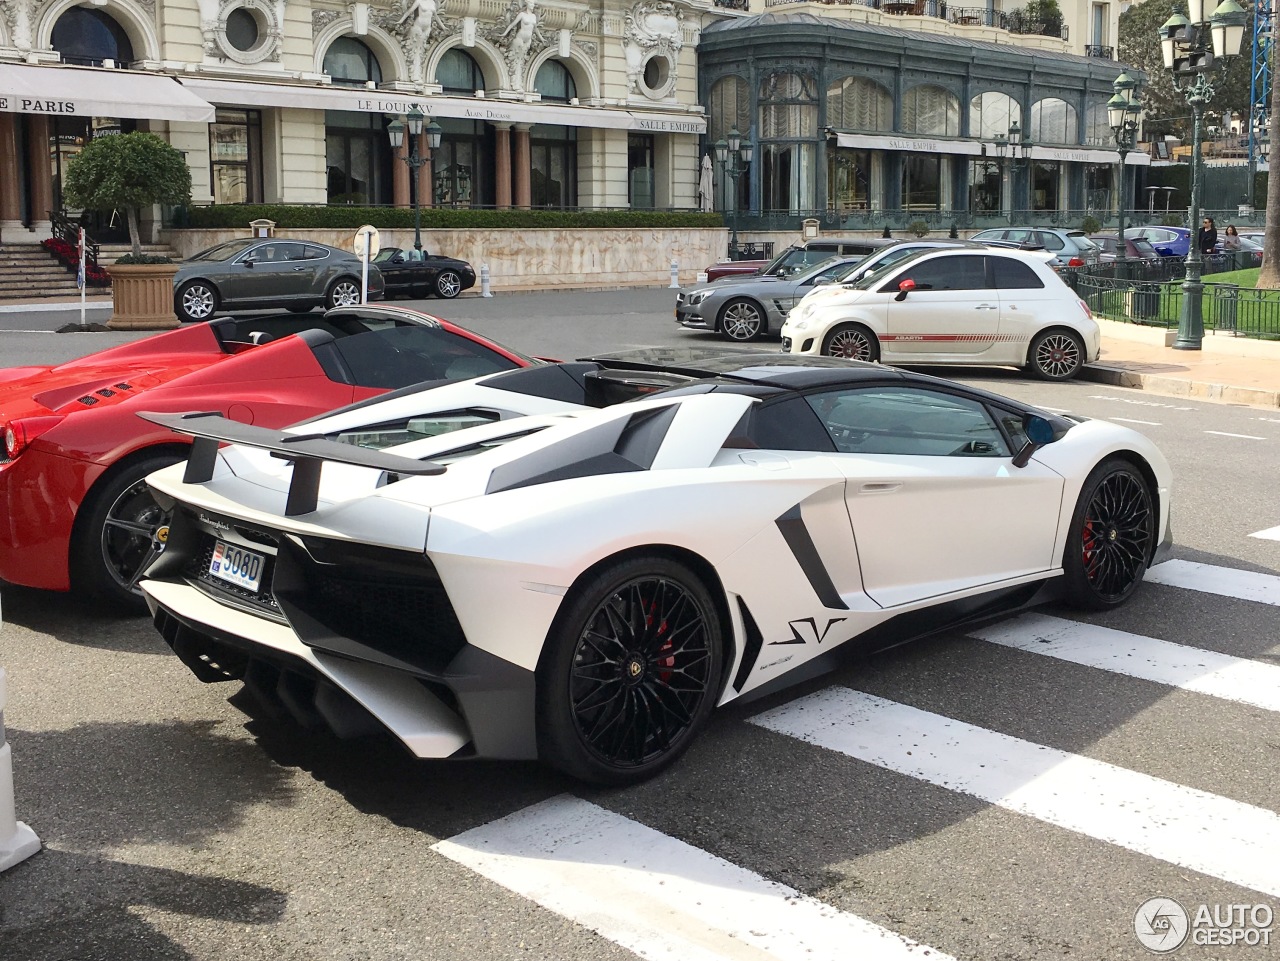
[1233, 370]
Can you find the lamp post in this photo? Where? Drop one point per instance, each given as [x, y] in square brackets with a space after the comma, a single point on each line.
[1017, 150]
[1258, 147]
[395, 131]
[734, 158]
[1185, 43]
[1122, 114]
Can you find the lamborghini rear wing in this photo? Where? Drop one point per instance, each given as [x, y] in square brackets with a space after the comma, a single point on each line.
[307, 452]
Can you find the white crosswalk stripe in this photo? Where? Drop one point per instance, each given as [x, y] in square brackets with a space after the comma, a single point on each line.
[1223, 581]
[1237, 842]
[659, 897]
[1191, 669]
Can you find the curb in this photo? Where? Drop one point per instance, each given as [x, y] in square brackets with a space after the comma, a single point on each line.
[1179, 387]
[29, 306]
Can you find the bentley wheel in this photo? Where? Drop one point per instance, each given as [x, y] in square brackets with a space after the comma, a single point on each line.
[630, 672]
[1056, 355]
[852, 341]
[1110, 539]
[119, 531]
[196, 301]
[742, 320]
[344, 293]
[448, 284]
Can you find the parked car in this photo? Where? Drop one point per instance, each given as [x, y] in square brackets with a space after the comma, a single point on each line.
[1247, 254]
[799, 257]
[1167, 241]
[1072, 248]
[76, 511]
[416, 273]
[989, 306]
[744, 308]
[1135, 248]
[585, 587]
[255, 274]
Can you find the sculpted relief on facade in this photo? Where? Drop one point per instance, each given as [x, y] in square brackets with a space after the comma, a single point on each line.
[19, 15]
[518, 37]
[652, 38]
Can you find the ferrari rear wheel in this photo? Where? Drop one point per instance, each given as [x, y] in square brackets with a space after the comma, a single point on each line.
[448, 284]
[1110, 539]
[196, 301]
[630, 673]
[343, 293]
[742, 320]
[119, 531]
[852, 341]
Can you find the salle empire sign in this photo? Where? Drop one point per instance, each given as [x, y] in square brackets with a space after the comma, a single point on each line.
[26, 105]
[669, 126]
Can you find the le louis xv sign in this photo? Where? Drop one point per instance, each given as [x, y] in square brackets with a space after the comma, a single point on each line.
[31, 105]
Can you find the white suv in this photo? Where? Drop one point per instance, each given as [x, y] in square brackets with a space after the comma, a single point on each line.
[952, 306]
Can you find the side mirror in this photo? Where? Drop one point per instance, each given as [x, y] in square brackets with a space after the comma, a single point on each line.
[905, 287]
[1040, 431]
[248, 261]
[397, 259]
[823, 281]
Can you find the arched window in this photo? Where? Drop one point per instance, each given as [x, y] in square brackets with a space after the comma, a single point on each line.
[991, 115]
[729, 109]
[87, 37]
[857, 103]
[458, 72]
[929, 109]
[350, 63]
[1098, 127]
[788, 142]
[554, 82]
[1054, 121]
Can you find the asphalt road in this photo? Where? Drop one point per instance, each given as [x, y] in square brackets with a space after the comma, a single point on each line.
[1018, 795]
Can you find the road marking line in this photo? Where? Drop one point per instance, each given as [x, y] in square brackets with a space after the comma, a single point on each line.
[1226, 839]
[1270, 534]
[1130, 420]
[1188, 668]
[1223, 433]
[1222, 581]
[659, 897]
[28, 331]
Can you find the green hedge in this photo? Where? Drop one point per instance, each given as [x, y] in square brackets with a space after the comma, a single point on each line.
[289, 217]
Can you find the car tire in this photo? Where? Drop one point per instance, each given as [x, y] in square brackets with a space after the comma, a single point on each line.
[1056, 354]
[1110, 539]
[852, 341]
[607, 711]
[300, 308]
[448, 284]
[742, 320]
[343, 292]
[117, 532]
[196, 301]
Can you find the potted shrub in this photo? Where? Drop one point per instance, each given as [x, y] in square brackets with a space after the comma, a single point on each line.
[128, 172]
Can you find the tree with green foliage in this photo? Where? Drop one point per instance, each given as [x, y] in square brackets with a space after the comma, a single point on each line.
[1043, 16]
[127, 172]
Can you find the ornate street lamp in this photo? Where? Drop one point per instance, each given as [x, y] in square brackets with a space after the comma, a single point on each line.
[395, 132]
[1017, 150]
[1185, 43]
[734, 158]
[1123, 110]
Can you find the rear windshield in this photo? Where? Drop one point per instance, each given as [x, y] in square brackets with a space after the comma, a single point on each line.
[1082, 241]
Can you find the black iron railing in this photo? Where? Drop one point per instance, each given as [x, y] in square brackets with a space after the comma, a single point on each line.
[68, 231]
[1095, 50]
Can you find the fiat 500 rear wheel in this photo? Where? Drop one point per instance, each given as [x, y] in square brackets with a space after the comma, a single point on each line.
[630, 672]
[852, 341]
[1056, 355]
[1110, 539]
[119, 531]
[742, 320]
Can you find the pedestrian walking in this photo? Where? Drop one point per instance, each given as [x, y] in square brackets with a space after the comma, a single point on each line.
[1207, 237]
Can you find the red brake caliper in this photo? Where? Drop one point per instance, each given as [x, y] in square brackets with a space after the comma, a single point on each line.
[667, 663]
[1089, 544]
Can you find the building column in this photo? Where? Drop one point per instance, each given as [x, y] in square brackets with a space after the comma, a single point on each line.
[41, 177]
[400, 175]
[10, 200]
[502, 165]
[522, 162]
[426, 197]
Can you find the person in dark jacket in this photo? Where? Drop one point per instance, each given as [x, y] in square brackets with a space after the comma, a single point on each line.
[1207, 237]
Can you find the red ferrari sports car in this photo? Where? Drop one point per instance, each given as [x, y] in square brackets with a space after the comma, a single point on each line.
[75, 512]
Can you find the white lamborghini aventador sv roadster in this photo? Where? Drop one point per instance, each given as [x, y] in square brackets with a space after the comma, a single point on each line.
[577, 562]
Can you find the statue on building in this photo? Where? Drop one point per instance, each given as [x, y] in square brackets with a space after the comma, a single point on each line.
[18, 15]
[415, 26]
[652, 27]
[518, 37]
[210, 12]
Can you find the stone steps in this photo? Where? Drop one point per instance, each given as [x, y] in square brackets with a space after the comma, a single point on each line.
[29, 272]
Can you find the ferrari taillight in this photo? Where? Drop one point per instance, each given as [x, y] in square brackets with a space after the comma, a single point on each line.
[18, 434]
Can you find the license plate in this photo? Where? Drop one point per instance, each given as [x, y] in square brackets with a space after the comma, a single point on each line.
[236, 566]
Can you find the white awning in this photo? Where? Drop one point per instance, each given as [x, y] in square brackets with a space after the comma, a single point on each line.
[973, 148]
[1089, 155]
[362, 100]
[98, 92]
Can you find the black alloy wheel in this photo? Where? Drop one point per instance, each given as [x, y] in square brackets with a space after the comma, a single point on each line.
[1110, 541]
[631, 674]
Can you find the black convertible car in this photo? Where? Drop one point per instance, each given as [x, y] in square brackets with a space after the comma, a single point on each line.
[416, 273]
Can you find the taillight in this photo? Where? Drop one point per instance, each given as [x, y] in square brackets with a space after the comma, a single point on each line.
[18, 434]
[1075, 262]
[1085, 307]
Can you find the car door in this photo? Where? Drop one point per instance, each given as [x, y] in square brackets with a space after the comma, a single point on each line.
[275, 272]
[1027, 306]
[951, 310]
[935, 501]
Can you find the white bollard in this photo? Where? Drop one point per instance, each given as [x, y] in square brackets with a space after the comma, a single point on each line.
[484, 281]
[675, 276]
[17, 841]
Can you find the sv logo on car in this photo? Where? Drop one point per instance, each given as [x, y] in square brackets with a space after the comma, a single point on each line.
[810, 631]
